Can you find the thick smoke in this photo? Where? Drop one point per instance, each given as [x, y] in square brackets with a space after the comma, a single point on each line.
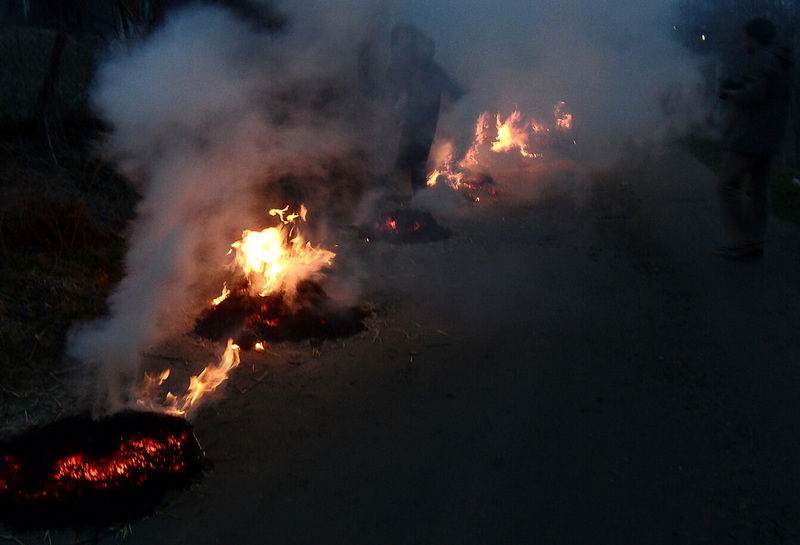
[215, 121]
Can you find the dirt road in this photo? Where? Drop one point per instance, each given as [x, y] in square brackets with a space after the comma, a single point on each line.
[561, 373]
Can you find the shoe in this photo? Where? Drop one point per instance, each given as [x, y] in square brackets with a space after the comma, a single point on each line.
[743, 252]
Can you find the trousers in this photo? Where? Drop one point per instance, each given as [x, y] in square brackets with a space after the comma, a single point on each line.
[745, 206]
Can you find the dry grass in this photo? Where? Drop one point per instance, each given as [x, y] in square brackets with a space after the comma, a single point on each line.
[62, 217]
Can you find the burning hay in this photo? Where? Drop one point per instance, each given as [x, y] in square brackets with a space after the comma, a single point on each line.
[514, 136]
[278, 297]
[81, 472]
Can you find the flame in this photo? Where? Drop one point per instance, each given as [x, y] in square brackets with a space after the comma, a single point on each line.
[222, 296]
[511, 134]
[495, 134]
[562, 117]
[206, 382]
[289, 218]
[278, 257]
[449, 170]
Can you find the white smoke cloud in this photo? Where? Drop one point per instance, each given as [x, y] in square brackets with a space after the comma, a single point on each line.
[208, 113]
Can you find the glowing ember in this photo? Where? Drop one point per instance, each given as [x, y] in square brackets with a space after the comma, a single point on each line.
[132, 461]
[405, 225]
[78, 471]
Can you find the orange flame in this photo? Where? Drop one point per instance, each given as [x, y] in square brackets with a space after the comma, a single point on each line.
[222, 296]
[562, 117]
[279, 257]
[514, 133]
[206, 382]
[448, 169]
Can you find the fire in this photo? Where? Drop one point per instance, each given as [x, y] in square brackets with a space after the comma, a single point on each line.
[449, 170]
[272, 260]
[278, 257]
[496, 134]
[134, 456]
[206, 382]
[222, 296]
[562, 117]
[513, 134]
[80, 471]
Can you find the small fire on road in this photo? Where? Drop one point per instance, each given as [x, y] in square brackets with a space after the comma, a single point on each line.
[274, 295]
[515, 134]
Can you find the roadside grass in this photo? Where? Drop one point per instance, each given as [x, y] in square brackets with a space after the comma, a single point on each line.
[61, 248]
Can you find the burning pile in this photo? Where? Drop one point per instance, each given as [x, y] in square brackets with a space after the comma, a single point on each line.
[527, 139]
[275, 296]
[82, 472]
[278, 296]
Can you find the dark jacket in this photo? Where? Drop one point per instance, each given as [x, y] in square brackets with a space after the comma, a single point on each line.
[759, 100]
[422, 85]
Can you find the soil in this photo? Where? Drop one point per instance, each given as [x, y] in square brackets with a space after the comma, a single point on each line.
[576, 370]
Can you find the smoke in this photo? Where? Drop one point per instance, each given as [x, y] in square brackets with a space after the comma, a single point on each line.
[212, 120]
[615, 63]
[215, 121]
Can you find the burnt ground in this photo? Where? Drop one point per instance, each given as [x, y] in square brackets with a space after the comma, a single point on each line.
[572, 371]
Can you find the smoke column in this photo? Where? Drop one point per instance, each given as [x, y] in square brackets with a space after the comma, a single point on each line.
[205, 113]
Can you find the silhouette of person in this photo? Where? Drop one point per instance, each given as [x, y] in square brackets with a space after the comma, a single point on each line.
[416, 86]
[754, 134]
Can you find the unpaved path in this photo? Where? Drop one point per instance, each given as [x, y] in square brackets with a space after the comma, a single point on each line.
[561, 373]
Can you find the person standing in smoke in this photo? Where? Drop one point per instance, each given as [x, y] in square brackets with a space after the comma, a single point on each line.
[416, 86]
[753, 137]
